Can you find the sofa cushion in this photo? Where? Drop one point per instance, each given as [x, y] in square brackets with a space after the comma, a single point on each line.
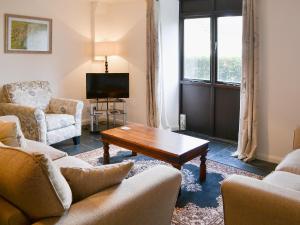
[291, 163]
[10, 215]
[33, 184]
[58, 121]
[62, 134]
[9, 134]
[284, 179]
[34, 146]
[71, 161]
[19, 130]
[85, 182]
[35, 94]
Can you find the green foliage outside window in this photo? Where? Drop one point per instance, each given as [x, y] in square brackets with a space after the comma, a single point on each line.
[229, 69]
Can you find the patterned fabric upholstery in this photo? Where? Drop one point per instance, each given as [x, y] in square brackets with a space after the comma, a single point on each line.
[58, 121]
[32, 103]
[33, 120]
[36, 94]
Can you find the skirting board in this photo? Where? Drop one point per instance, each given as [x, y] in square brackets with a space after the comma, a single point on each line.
[87, 122]
[269, 158]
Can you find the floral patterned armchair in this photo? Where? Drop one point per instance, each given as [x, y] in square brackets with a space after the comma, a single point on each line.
[43, 118]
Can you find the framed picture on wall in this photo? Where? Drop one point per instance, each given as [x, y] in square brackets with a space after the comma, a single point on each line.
[25, 34]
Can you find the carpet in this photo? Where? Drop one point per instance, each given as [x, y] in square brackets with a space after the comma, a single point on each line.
[199, 204]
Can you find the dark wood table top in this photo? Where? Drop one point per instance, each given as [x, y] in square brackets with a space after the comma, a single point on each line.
[166, 142]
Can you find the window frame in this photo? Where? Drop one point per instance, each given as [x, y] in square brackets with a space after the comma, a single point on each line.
[213, 15]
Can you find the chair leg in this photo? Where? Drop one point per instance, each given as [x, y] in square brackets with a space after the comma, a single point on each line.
[76, 140]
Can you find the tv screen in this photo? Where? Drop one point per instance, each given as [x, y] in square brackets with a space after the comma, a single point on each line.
[103, 85]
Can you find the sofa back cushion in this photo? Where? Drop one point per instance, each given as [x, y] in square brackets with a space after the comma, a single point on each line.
[35, 94]
[33, 184]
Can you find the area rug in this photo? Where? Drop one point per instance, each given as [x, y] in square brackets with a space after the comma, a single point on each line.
[199, 204]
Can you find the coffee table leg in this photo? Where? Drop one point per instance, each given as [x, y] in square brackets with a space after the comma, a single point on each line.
[202, 174]
[106, 153]
[177, 166]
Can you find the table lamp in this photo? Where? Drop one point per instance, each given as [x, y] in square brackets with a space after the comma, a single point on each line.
[106, 49]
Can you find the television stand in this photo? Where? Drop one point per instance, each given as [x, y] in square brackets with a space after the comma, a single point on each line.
[107, 108]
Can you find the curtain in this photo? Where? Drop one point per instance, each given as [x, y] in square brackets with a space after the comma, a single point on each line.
[152, 64]
[161, 92]
[247, 144]
[161, 98]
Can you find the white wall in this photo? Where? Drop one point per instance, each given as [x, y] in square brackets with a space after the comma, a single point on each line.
[125, 22]
[279, 108]
[65, 68]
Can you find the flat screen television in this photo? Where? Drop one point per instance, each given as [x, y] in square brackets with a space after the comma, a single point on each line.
[103, 85]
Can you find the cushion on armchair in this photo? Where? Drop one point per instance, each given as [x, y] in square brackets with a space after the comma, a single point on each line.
[291, 163]
[284, 179]
[33, 184]
[9, 134]
[35, 94]
[19, 134]
[34, 146]
[58, 121]
[85, 182]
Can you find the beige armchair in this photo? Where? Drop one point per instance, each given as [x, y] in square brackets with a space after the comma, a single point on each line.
[275, 200]
[43, 118]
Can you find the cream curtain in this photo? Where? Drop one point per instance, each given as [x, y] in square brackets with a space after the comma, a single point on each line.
[152, 64]
[248, 112]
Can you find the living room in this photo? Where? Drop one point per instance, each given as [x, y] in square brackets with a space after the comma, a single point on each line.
[192, 145]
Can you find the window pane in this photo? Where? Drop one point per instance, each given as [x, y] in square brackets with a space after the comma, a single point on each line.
[230, 49]
[197, 49]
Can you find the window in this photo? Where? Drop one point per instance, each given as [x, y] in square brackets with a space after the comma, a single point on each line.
[211, 66]
[197, 49]
[227, 60]
[229, 49]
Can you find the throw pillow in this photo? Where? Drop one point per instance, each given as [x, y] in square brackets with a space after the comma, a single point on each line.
[88, 181]
[20, 135]
[9, 135]
[33, 183]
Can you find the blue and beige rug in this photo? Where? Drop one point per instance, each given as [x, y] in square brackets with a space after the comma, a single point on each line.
[199, 204]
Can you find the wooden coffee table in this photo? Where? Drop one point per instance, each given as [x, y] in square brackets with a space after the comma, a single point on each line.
[170, 147]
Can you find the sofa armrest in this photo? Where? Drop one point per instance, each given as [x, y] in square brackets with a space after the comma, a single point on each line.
[296, 142]
[10, 215]
[249, 201]
[33, 122]
[148, 198]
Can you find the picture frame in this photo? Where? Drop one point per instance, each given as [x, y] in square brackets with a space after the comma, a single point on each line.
[27, 34]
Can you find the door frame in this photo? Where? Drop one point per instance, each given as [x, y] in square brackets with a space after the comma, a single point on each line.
[213, 83]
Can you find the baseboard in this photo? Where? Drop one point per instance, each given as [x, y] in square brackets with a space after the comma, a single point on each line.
[269, 158]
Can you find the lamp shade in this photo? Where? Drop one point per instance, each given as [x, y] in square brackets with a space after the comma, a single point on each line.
[106, 48]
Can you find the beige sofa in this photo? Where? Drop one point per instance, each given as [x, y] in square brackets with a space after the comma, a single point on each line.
[43, 118]
[144, 199]
[275, 200]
